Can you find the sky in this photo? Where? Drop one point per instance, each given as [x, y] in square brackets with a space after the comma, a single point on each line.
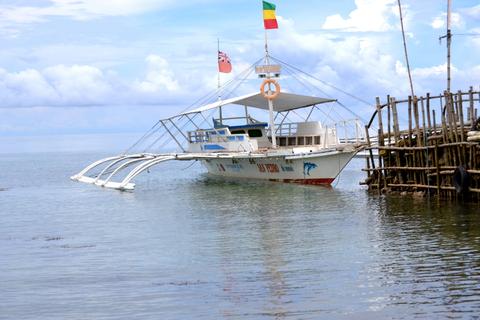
[116, 66]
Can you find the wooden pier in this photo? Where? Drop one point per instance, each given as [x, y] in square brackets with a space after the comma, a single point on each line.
[426, 146]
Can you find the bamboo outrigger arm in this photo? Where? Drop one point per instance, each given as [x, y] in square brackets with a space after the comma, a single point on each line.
[118, 164]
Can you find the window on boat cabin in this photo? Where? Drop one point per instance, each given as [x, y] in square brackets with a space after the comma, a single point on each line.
[255, 133]
[215, 132]
[238, 132]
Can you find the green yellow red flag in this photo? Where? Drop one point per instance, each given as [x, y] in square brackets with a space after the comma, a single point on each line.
[269, 18]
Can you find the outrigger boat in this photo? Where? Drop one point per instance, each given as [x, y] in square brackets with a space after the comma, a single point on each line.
[306, 152]
[277, 148]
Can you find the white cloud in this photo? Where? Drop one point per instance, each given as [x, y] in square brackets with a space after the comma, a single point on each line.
[85, 9]
[158, 77]
[79, 9]
[363, 65]
[440, 21]
[473, 12]
[356, 64]
[83, 85]
[15, 88]
[475, 40]
[78, 84]
[439, 71]
[14, 17]
[369, 16]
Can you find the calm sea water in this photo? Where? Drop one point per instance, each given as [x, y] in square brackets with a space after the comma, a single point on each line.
[186, 246]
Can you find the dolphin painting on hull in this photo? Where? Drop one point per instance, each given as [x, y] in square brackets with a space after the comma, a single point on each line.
[307, 166]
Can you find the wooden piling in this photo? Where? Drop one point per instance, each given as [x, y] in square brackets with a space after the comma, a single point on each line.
[424, 156]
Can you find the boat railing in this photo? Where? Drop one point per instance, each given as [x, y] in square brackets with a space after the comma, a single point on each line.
[248, 120]
[199, 136]
[286, 129]
[350, 131]
[343, 132]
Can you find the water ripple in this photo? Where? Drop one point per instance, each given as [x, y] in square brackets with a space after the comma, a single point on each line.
[185, 245]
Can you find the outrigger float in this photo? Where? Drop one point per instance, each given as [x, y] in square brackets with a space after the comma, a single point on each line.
[292, 143]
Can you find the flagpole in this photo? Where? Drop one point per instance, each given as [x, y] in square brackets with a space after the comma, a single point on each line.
[266, 48]
[269, 101]
[220, 115]
[267, 60]
[218, 50]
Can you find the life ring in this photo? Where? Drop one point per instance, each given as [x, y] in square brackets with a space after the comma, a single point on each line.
[272, 95]
[461, 180]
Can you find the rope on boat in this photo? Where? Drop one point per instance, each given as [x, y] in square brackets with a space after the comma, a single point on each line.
[329, 85]
[226, 91]
[241, 77]
[190, 165]
[323, 82]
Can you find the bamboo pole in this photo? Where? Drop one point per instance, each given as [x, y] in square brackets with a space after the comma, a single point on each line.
[444, 145]
[437, 165]
[417, 159]
[428, 112]
[396, 129]
[462, 128]
[420, 186]
[417, 121]
[368, 167]
[425, 155]
[470, 110]
[396, 132]
[410, 121]
[409, 157]
[369, 147]
[444, 132]
[444, 170]
[405, 48]
[388, 120]
[381, 141]
[389, 132]
[424, 121]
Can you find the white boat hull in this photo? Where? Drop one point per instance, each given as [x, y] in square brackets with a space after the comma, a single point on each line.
[317, 169]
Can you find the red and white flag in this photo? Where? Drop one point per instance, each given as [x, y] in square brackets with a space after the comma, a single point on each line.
[224, 64]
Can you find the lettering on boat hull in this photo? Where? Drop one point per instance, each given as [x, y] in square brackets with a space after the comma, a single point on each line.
[320, 169]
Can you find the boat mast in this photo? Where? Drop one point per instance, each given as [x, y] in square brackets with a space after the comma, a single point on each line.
[270, 101]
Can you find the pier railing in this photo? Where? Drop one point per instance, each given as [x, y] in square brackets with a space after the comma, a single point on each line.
[426, 145]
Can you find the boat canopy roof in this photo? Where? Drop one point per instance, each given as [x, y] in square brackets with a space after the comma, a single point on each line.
[283, 102]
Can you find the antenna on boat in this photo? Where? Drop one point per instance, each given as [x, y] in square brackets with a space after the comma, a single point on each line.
[448, 36]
